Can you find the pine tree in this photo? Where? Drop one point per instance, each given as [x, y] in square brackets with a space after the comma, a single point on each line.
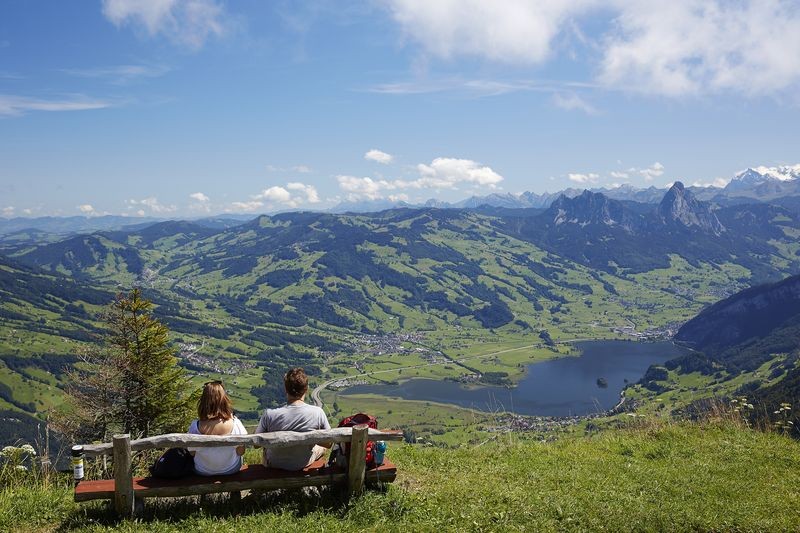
[131, 382]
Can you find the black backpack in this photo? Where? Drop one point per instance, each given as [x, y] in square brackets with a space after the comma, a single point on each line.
[173, 464]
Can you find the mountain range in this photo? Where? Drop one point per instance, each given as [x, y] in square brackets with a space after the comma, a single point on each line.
[369, 269]
[762, 184]
[757, 183]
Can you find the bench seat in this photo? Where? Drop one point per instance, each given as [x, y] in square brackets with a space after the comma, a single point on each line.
[249, 477]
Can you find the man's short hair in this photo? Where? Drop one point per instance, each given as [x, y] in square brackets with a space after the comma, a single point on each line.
[296, 382]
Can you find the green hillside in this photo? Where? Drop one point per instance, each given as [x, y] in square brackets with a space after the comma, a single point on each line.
[44, 318]
[651, 477]
[347, 295]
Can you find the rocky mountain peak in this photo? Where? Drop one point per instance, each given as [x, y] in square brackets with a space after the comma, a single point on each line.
[590, 208]
[680, 206]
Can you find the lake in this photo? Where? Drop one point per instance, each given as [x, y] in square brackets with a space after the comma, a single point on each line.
[559, 387]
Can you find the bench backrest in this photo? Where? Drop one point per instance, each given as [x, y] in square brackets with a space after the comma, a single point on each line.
[276, 439]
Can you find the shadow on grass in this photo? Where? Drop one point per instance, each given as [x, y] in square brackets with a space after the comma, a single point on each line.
[297, 502]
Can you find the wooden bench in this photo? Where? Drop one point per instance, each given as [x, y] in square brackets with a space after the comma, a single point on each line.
[128, 492]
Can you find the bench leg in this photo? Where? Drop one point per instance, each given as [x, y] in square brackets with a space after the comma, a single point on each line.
[356, 463]
[123, 481]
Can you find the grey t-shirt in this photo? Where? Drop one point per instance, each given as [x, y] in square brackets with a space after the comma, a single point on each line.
[299, 417]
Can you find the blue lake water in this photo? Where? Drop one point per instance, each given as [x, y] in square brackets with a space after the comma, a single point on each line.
[559, 387]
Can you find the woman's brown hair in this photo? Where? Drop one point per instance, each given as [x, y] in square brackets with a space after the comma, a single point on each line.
[214, 402]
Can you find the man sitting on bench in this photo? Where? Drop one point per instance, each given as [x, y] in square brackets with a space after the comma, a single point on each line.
[296, 415]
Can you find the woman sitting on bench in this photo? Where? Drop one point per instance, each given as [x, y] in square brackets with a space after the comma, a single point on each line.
[215, 417]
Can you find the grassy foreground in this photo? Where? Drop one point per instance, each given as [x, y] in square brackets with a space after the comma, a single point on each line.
[655, 477]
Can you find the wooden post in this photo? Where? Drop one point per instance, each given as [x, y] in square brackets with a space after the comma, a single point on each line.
[357, 462]
[123, 481]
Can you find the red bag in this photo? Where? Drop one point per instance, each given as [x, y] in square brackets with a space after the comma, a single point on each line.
[355, 420]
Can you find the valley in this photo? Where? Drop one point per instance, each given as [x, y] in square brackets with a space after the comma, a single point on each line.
[372, 300]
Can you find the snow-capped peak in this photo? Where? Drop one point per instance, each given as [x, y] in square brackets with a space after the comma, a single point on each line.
[762, 173]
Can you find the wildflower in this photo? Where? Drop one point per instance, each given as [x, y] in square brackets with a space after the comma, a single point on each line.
[21, 468]
[27, 448]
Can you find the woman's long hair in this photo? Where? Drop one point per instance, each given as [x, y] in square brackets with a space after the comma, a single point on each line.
[214, 403]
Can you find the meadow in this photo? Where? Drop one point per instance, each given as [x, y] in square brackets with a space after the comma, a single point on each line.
[650, 475]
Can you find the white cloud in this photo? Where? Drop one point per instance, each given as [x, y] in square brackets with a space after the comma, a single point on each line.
[716, 182]
[201, 202]
[689, 47]
[246, 207]
[312, 196]
[293, 195]
[441, 173]
[583, 178]
[12, 105]
[8, 211]
[619, 175]
[119, 74]
[303, 169]
[364, 187]
[509, 31]
[447, 173]
[676, 48]
[86, 209]
[140, 212]
[475, 88]
[186, 22]
[274, 194]
[379, 157]
[653, 171]
[6, 75]
[573, 102]
[199, 197]
[152, 204]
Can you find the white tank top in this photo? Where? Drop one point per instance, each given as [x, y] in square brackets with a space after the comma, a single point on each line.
[211, 461]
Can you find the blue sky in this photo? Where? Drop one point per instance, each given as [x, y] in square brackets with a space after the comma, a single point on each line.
[189, 107]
